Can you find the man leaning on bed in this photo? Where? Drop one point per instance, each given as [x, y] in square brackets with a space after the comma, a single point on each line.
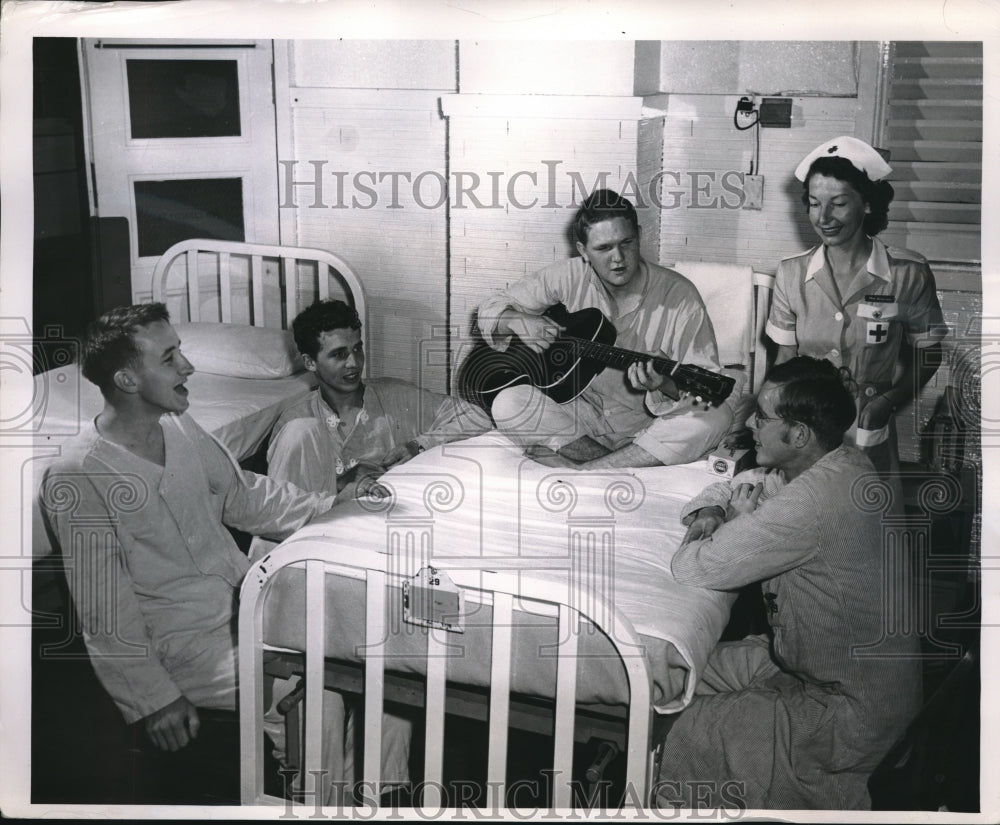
[349, 431]
[139, 501]
[800, 717]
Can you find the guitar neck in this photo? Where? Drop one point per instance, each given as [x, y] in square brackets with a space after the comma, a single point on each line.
[618, 358]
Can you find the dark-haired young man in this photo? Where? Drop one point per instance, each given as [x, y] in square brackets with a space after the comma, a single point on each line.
[140, 501]
[802, 721]
[630, 419]
[348, 432]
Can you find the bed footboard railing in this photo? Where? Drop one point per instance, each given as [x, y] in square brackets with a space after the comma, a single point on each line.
[505, 595]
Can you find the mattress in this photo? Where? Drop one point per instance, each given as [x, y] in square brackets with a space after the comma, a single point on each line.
[480, 505]
[240, 412]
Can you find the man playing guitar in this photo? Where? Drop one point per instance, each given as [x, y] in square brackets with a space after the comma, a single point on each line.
[633, 417]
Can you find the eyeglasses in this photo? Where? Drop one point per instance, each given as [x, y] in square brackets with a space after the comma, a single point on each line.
[759, 418]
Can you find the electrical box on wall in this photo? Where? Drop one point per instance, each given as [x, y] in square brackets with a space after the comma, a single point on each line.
[776, 112]
[746, 113]
[753, 191]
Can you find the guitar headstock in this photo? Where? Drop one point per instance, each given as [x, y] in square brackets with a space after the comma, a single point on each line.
[710, 388]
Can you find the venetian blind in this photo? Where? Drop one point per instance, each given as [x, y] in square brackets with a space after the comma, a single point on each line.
[933, 128]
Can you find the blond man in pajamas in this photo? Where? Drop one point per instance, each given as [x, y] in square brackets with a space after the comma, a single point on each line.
[632, 419]
[156, 588]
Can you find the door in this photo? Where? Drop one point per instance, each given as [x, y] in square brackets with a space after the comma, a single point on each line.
[182, 144]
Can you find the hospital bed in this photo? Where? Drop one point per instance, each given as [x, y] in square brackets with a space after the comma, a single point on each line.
[560, 549]
[544, 601]
[232, 304]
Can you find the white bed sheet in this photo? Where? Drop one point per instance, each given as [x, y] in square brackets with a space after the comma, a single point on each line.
[480, 504]
[240, 412]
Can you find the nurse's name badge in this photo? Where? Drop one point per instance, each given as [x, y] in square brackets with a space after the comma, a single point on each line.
[876, 313]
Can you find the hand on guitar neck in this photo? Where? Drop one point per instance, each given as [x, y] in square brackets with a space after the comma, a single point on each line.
[643, 376]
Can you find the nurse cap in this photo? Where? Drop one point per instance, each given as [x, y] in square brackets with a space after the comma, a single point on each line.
[859, 153]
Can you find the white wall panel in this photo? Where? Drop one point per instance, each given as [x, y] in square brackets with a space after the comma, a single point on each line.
[364, 139]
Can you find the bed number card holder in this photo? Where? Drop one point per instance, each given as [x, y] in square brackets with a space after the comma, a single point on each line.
[431, 599]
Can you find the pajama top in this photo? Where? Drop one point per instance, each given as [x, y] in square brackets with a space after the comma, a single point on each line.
[843, 679]
[311, 446]
[668, 319]
[152, 570]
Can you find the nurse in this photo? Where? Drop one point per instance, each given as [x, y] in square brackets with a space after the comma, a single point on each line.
[853, 300]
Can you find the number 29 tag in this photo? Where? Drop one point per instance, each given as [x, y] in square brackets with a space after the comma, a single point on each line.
[431, 599]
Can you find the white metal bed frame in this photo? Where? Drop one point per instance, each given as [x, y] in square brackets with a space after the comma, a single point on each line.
[227, 252]
[763, 285]
[505, 593]
[198, 259]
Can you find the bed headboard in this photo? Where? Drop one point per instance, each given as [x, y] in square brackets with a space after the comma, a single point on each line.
[737, 299]
[249, 283]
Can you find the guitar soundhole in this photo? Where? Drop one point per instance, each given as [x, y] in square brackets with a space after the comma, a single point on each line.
[560, 357]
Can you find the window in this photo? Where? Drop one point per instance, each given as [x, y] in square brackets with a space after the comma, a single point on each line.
[170, 211]
[932, 125]
[183, 98]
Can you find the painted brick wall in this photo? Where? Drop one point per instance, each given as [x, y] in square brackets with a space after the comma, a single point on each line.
[347, 112]
[704, 155]
[559, 158]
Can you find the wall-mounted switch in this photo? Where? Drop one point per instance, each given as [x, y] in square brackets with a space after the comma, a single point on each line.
[753, 191]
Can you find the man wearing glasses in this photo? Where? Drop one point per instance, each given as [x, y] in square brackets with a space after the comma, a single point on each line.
[800, 717]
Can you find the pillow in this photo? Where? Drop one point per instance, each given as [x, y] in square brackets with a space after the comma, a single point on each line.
[239, 351]
[727, 290]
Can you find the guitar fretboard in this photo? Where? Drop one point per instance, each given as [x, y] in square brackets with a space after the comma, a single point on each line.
[617, 357]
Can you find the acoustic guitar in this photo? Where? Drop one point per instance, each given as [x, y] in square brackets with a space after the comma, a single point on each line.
[574, 359]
